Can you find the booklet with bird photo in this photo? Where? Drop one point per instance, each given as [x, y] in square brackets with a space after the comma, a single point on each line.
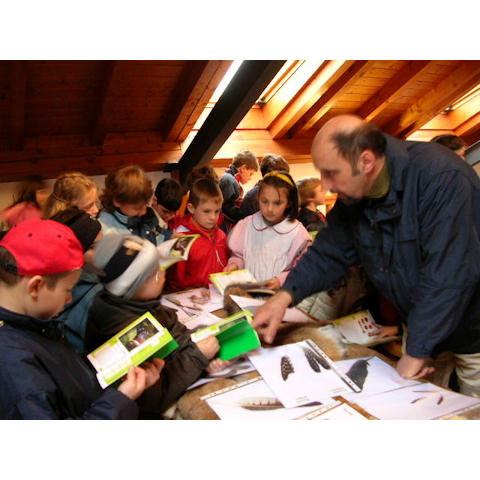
[361, 328]
[222, 280]
[235, 335]
[142, 339]
[176, 249]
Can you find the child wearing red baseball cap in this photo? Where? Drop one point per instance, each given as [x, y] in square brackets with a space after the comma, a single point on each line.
[40, 375]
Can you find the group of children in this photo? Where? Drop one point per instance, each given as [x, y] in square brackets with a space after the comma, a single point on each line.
[73, 276]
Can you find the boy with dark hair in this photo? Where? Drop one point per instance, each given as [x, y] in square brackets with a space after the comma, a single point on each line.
[40, 376]
[243, 166]
[166, 201]
[209, 253]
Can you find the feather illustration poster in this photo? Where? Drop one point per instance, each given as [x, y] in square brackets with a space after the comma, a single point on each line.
[372, 375]
[298, 374]
[424, 401]
[253, 400]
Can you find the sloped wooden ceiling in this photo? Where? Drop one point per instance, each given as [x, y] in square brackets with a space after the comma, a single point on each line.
[96, 116]
[400, 96]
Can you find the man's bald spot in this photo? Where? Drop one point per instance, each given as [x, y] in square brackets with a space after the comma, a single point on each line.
[340, 123]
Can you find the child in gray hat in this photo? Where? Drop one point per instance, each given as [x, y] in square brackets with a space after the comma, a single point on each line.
[133, 282]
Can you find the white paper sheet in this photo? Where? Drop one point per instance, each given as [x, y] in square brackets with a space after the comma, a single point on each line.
[340, 411]
[424, 401]
[240, 366]
[252, 304]
[297, 383]
[254, 401]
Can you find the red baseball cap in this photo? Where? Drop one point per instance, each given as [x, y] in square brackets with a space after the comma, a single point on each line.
[43, 247]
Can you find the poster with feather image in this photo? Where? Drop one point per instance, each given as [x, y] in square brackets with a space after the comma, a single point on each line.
[297, 374]
[253, 400]
[424, 401]
[372, 375]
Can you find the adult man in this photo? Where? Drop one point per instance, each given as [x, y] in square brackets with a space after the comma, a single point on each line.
[409, 212]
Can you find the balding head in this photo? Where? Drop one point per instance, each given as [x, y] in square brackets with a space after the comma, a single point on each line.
[350, 153]
[339, 124]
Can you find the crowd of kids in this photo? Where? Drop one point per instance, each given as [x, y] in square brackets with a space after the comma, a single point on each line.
[80, 265]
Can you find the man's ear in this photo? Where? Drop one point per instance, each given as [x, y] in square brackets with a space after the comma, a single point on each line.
[34, 285]
[190, 208]
[115, 203]
[367, 161]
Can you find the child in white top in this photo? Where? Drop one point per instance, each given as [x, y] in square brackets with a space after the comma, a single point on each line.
[270, 242]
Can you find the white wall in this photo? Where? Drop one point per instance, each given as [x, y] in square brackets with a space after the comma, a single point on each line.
[298, 171]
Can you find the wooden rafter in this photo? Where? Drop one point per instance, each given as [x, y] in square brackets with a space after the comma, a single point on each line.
[319, 109]
[247, 84]
[297, 95]
[194, 91]
[18, 87]
[99, 123]
[459, 82]
[393, 89]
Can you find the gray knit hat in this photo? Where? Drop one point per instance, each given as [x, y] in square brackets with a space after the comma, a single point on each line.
[127, 260]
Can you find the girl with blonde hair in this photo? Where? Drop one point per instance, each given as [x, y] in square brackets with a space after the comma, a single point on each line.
[72, 189]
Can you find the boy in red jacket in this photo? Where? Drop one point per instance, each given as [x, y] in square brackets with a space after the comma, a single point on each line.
[209, 253]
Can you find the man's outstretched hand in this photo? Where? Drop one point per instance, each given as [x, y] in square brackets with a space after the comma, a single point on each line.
[268, 317]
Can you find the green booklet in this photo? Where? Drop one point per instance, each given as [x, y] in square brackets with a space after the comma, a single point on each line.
[143, 338]
[235, 335]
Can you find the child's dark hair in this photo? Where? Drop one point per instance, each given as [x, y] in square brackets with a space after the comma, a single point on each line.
[306, 189]
[169, 194]
[28, 189]
[247, 158]
[129, 185]
[200, 172]
[453, 142]
[281, 179]
[204, 189]
[10, 277]
[271, 162]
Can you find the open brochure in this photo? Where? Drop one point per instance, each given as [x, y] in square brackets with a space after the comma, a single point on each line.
[222, 280]
[142, 339]
[175, 249]
[196, 300]
[360, 327]
[235, 335]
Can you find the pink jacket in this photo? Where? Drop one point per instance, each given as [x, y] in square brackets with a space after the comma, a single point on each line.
[20, 212]
[266, 250]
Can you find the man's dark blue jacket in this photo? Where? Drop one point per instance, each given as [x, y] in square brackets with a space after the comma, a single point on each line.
[419, 246]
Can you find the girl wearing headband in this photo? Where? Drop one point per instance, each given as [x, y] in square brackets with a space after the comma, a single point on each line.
[270, 242]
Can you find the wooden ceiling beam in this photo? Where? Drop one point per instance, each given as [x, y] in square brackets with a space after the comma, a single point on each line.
[18, 88]
[246, 86]
[298, 95]
[319, 109]
[195, 88]
[451, 88]
[393, 89]
[99, 123]
[89, 164]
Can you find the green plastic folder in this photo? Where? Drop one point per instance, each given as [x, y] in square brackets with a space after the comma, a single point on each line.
[235, 335]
